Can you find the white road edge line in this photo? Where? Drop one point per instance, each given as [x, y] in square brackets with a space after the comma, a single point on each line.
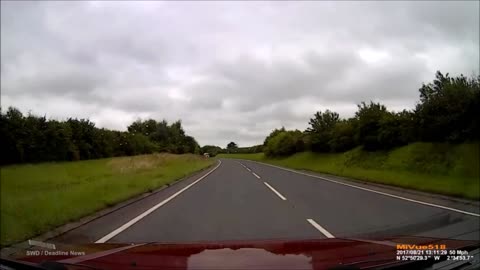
[320, 228]
[149, 211]
[378, 192]
[276, 192]
[256, 175]
[248, 169]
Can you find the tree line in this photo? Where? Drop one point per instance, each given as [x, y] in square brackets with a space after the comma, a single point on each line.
[448, 111]
[30, 138]
[231, 148]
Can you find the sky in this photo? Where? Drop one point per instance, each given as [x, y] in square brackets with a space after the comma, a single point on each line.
[231, 71]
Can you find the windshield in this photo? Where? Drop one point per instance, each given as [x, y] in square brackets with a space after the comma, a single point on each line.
[240, 134]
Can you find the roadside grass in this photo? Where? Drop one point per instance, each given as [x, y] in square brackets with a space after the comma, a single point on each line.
[37, 198]
[432, 167]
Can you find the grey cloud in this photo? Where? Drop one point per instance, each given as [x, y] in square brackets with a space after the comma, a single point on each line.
[51, 76]
[451, 19]
[249, 83]
[46, 84]
[134, 102]
[334, 77]
[229, 70]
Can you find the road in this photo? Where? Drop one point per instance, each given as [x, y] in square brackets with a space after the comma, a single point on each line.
[242, 200]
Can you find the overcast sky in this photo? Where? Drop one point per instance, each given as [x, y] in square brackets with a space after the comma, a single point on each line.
[231, 71]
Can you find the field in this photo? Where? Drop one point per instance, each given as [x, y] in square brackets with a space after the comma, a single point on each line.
[37, 198]
[438, 168]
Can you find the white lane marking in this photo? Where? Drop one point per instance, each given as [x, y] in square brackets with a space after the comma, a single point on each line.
[320, 228]
[248, 169]
[149, 211]
[256, 175]
[276, 192]
[378, 192]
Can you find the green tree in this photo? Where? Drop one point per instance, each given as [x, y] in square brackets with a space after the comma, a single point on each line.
[272, 134]
[321, 130]
[147, 127]
[369, 117]
[284, 143]
[36, 139]
[190, 144]
[250, 149]
[448, 109]
[343, 136]
[212, 150]
[232, 147]
[167, 137]
[58, 142]
[396, 129]
[13, 136]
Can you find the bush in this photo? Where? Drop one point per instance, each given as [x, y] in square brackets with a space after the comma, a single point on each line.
[250, 150]
[343, 136]
[284, 143]
[369, 117]
[212, 150]
[272, 134]
[32, 138]
[449, 109]
[447, 112]
[321, 130]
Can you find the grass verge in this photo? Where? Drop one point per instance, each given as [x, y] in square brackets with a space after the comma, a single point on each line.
[438, 168]
[37, 198]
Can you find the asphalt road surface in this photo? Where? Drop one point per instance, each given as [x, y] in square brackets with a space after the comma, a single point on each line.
[246, 200]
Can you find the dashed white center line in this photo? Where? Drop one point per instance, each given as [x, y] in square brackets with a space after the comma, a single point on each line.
[320, 228]
[276, 192]
[248, 169]
[311, 221]
[375, 191]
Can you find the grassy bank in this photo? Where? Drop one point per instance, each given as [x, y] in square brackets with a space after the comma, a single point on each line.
[37, 198]
[439, 168]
